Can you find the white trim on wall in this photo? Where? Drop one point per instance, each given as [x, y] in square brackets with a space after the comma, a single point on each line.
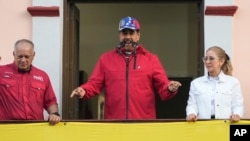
[47, 36]
[218, 30]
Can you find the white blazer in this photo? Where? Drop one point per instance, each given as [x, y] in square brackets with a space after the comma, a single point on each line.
[228, 97]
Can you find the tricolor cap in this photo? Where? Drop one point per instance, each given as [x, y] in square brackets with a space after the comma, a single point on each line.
[129, 23]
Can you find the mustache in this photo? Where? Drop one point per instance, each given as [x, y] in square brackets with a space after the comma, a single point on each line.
[127, 41]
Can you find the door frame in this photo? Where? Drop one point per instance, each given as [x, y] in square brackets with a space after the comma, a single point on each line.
[70, 107]
[70, 63]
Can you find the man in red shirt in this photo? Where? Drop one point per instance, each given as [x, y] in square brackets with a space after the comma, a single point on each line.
[130, 75]
[25, 91]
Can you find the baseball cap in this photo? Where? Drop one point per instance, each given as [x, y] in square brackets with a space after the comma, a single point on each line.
[129, 23]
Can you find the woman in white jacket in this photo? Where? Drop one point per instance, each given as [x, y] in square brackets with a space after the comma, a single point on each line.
[216, 95]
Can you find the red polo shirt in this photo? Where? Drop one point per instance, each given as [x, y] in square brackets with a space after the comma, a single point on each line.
[24, 95]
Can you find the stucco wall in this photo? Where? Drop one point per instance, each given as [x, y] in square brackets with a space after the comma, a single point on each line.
[15, 25]
[241, 49]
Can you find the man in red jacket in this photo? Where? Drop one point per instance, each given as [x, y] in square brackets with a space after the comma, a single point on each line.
[129, 75]
[25, 91]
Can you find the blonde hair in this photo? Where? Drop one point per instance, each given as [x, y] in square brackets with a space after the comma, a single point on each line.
[227, 67]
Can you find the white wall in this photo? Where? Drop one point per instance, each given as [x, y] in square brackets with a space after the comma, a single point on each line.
[218, 29]
[47, 35]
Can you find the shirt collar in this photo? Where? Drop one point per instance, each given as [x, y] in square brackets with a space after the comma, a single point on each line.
[220, 77]
[15, 68]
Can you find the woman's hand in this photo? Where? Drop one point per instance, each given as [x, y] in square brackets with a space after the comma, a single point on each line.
[192, 117]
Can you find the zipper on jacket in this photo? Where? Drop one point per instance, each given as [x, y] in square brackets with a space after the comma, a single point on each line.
[127, 94]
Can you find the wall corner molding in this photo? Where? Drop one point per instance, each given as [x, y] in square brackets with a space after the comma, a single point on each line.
[221, 10]
[44, 11]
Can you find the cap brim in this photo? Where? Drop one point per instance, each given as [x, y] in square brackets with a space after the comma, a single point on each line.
[127, 28]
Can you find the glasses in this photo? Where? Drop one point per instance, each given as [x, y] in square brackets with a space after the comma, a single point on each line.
[210, 58]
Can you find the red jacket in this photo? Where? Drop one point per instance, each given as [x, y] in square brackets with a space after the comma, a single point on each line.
[24, 96]
[129, 92]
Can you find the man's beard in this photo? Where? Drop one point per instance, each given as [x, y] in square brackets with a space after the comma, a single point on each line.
[128, 44]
